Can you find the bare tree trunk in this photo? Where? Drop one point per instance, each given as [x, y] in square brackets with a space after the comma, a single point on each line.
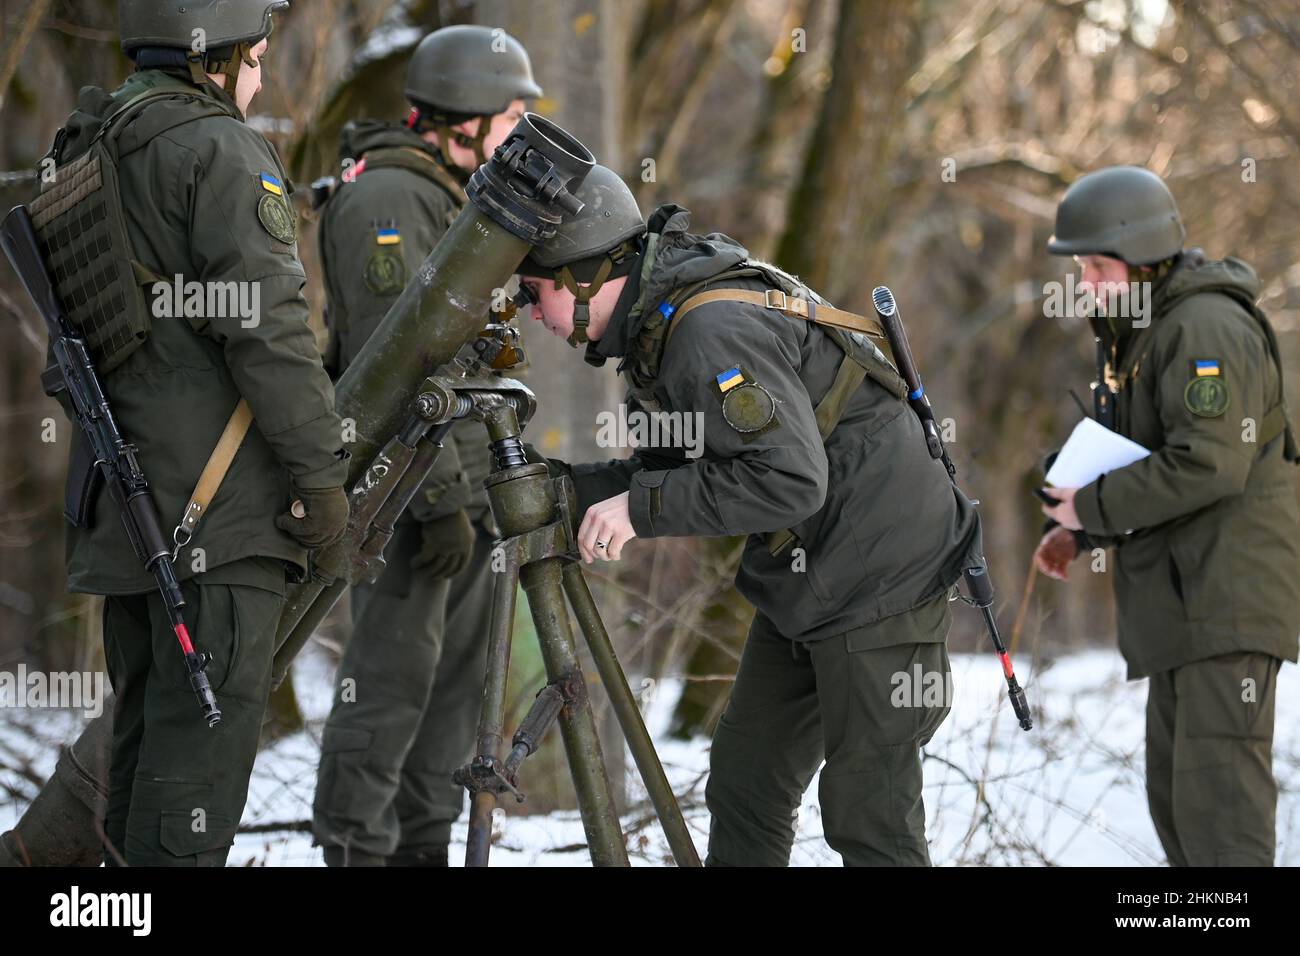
[842, 193]
[17, 46]
[578, 50]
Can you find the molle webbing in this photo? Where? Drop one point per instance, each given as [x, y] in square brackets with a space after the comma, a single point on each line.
[78, 220]
[81, 226]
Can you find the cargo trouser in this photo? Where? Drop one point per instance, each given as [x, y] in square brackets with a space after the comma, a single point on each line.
[406, 704]
[851, 700]
[1210, 760]
[176, 786]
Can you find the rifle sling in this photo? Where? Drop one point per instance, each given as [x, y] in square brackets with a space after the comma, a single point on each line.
[214, 472]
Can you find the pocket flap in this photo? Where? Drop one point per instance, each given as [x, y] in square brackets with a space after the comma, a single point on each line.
[337, 739]
[179, 836]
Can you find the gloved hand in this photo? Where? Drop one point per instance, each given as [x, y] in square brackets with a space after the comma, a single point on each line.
[325, 517]
[447, 545]
[555, 466]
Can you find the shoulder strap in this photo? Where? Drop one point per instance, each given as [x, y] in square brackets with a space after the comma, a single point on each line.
[418, 162]
[115, 122]
[786, 305]
[855, 366]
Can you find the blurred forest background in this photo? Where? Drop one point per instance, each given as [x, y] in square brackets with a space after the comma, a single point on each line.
[918, 143]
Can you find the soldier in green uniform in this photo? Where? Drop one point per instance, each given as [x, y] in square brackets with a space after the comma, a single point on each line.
[1206, 532]
[811, 451]
[411, 681]
[201, 200]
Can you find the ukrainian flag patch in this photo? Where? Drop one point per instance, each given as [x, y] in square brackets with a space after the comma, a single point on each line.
[272, 185]
[1205, 367]
[730, 378]
[389, 236]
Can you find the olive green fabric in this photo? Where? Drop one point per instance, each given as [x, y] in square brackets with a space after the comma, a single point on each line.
[406, 704]
[1212, 563]
[176, 786]
[447, 545]
[1210, 760]
[420, 210]
[191, 185]
[839, 700]
[861, 556]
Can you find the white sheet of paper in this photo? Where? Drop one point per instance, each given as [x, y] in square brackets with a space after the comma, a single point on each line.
[1091, 451]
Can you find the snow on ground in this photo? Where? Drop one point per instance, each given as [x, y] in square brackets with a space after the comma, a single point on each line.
[1069, 792]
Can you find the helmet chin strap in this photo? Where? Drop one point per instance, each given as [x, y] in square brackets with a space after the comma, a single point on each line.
[242, 54]
[446, 135]
[476, 141]
[582, 296]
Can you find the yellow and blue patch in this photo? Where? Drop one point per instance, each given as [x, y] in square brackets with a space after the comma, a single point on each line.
[730, 378]
[1206, 394]
[272, 185]
[388, 237]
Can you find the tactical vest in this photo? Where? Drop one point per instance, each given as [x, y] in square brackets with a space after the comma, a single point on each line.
[1275, 421]
[863, 358]
[81, 226]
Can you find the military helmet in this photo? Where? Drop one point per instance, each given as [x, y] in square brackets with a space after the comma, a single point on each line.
[172, 23]
[595, 245]
[470, 71]
[609, 218]
[1125, 212]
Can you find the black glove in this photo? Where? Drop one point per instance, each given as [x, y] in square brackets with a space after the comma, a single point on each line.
[324, 516]
[447, 545]
[555, 466]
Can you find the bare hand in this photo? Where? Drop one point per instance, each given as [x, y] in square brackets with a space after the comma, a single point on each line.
[1055, 552]
[1063, 513]
[606, 527]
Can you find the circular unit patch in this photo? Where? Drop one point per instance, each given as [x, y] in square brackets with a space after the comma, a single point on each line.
[277, 220]
[1206, 396]
[748, 408]
[385, 273]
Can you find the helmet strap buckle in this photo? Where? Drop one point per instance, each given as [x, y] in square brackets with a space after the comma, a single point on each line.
[197, 73]
[238, 58]
[582, 295]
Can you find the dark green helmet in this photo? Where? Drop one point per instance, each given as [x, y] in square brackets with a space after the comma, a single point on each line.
[609, 218]
[470, 71]
[1124, 212]
[173, 23]
[598, 243]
